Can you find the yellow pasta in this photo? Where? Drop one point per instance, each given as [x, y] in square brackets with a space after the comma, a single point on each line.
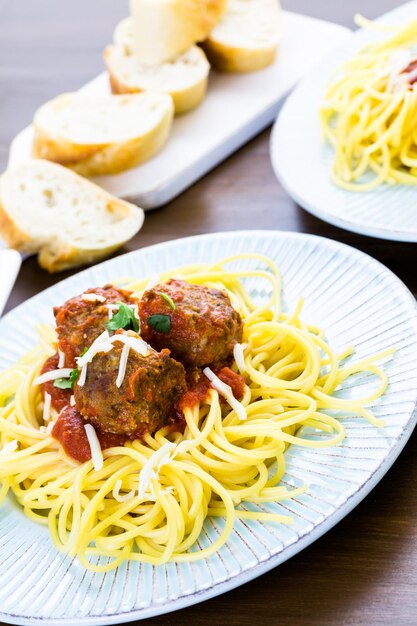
[369, 112]
[214, 468]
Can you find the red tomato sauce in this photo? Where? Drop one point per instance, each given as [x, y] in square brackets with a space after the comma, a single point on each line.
[198, 390]
[195, 394]
[70, 432]
[60, 398]
[235, 381]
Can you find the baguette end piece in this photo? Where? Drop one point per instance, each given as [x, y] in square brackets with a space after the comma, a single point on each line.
[48, 210]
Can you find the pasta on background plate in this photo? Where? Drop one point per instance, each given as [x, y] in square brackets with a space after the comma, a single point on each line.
[369, 112]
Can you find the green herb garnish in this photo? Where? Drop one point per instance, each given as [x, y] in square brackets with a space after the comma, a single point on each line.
[67, 383]
[124, 318]
[168, 299]
[83, 352]
[160, 323]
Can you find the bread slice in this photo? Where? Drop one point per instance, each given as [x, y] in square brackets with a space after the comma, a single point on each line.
[47, 209]
[246, 38]
[184, 79]
[102, 134]
[164, 29]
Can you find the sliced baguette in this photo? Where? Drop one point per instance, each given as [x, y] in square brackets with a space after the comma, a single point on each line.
[164, 29]
[246, 38]
[184, 79]
[47, 209]
[102, 135]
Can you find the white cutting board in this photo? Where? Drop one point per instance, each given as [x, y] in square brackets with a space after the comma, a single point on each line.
[237, 107]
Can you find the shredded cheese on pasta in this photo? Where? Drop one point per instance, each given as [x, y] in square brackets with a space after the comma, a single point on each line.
[95, 447]
[226, 392]
[52, 375]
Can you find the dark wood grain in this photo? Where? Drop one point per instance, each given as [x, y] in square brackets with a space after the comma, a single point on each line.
[364, 571]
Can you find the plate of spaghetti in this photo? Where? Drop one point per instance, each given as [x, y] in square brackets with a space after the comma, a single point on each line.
[170, 430]
[348, 132]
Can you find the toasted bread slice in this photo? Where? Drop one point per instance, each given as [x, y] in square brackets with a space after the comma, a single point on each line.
[164, 29]
[246, 38]
[47, 209]
[103, 134]
[184, 79]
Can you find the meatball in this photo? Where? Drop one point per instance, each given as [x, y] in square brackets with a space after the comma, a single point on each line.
[201, 330]
[145, 400]
[82, 319]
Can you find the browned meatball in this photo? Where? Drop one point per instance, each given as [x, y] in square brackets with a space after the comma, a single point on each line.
[80, 321]
[144, 402]
[201, 330]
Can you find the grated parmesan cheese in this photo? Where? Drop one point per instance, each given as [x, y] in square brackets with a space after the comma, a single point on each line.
[9, 447]
[47, 407]
[52, 375]
[92, 297]
[61, 361]
[101, 344]
[95, 447]
[137, 344]
[122, 366]
[239, 356]
[83, 376]
[396, 66]
[116, 493]
[112, 308]
[152, 467]
[226, 392]
[72, 401]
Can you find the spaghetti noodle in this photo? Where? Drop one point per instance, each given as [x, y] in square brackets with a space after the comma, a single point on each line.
[369, 112]
[148, 499]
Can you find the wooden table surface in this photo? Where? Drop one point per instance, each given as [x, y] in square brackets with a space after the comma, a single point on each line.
[364, 571]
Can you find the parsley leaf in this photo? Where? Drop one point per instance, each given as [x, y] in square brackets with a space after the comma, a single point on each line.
[124, 318]
[160, 323]
[168, 299]
[83, 352]
[67, 383]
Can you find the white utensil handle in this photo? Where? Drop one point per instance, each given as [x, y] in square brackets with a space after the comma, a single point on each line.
[10, 262]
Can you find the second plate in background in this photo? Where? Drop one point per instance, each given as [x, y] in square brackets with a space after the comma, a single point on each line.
[303, 164]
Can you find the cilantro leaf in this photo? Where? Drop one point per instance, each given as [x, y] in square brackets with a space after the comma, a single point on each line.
[160, 323]
[67, 383]
[124, 318]
[168, 299]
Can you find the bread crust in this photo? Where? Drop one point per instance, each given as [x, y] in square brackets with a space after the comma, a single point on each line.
[232, 59]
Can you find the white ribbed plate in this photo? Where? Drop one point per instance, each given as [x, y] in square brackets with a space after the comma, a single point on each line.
[353, 297]
[303, 164]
